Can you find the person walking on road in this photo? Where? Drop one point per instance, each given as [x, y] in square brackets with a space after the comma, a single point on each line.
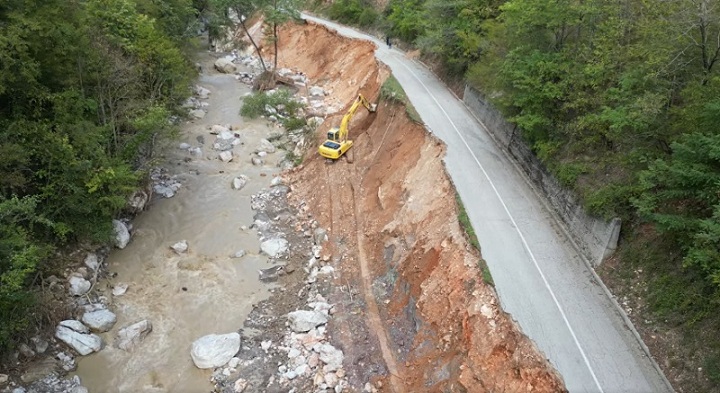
[387, 41]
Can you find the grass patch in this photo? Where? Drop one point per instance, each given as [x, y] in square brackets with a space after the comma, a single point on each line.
[279, 103]
[392, 92]
[472, 238]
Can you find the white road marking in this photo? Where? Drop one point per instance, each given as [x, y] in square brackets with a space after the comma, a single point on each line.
[517, 228]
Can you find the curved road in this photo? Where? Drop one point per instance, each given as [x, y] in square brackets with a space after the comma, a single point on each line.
[539, 276]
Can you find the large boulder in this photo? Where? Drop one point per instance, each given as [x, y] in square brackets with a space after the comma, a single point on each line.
[100, 320]
[75, 334]
[224, 65]
[122, 234]
[130, 336]
[302, 321]
[266, 146]
[214, 350]
[226, 156]
[78, 285]
[331, 356]
[274, 247]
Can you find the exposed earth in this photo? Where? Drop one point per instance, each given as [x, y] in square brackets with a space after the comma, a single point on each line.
[371, 253]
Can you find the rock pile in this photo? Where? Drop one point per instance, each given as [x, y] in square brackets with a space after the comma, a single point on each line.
[164, 184]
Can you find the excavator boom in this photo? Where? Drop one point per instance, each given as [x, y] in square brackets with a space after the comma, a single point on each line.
[337, 143]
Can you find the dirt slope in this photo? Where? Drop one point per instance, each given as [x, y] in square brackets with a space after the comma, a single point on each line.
[424, 319]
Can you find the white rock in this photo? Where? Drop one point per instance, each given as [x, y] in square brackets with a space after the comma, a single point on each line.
[217, 129]
[99, 321]
[266, 146]
[184, 146]
[262, 154]
[83, 343]
[91, 261]
[327, 269]
[74, 325]
[303, 320]
[290, 375]
[257, 161]
[119, 289]
[138, 200]
[274, 247]
[196, 151]
[265, 345]
[130, 336]
[225, 65]
[226, 156]
[40, 344]
[316, 91]
[78, 285]
[301, 369]
[331, 356]
[239, 182]
[233, 363]
[240, 385]
[197, 113]
[276, 181]
[331, 380]
[180, 247]
[122, 234]
[163, 190]
[214, 350]
[79, 389]
[239, 254]
[226, 134]
[201, 91]
[293, 353]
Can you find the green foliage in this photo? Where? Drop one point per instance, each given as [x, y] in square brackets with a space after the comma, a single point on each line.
[465, 223]
[279, 103]
[86, 87]
[354, 12]
[392, 92]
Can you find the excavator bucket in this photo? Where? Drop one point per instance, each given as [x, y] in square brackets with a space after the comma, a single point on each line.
[372, 108]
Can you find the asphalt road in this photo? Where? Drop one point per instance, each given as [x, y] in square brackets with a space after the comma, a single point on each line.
[540, 277]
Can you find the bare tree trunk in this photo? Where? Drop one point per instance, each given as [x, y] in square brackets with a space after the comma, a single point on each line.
[252, 41]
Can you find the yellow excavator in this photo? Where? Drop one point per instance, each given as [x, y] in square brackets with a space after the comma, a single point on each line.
[337, 143]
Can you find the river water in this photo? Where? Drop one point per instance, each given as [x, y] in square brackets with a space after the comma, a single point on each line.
[205, 291]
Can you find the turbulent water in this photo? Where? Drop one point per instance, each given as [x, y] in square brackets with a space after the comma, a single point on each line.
[205, 291]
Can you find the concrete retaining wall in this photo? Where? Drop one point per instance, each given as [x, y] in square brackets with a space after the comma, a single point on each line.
[596, 237]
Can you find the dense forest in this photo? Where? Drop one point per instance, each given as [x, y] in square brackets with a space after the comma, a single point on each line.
[620, 99]
[86, 89]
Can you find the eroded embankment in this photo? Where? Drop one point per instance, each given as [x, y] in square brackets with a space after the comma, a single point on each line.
[429, 323]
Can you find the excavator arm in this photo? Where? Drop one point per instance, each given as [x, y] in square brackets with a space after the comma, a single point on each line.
[337, 143]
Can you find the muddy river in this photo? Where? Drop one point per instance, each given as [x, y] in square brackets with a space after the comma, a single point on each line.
[204, 291]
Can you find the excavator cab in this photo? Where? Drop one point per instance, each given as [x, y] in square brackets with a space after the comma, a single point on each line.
[337, 143]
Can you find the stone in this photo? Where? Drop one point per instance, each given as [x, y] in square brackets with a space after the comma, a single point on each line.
[202, 92]
[163, 190]
[318, 379]
[238, 254]
[130, 336]
[266, 146]
[270, 274]
[38, 370]
[265, 345]
[79, 389]
[75, 325]
[91, 261]
[316, 91]
[214, 350]
[180, 247]
[240, 385]
[276, 181]
[197, 113]
[78, 285]
[217, 129]
[26, 351]
[83, 343]
[257, 161]
[122, 234]
[233, 363]
[320, 236]
[274, 247]
[331, 356]
[119, 289]
[226, 156]
[331, 380]
[40, 344]
[100, 320]
[262, 154]
[239, 182]
[196, 151]
[301, 370]
[138, 200]
[4, 378]
[290, 375]
[184, 146]
[302, 321]
[225, 65]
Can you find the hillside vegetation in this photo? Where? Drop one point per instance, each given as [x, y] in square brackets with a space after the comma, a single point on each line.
[87, 87]
[621, 101]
